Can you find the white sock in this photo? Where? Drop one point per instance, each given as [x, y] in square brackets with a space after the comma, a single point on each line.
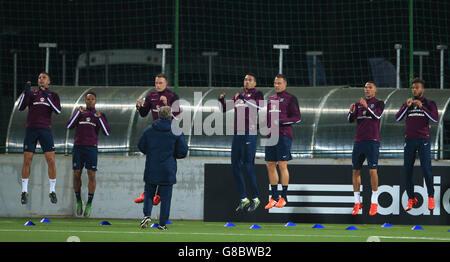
[52, 184]
[374, 197]
[356, 194]
[244, 199]
[24, 184]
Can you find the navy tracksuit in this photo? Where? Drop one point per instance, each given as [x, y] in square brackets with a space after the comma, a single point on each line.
[161, 148]
[417, 139]
[243, 151]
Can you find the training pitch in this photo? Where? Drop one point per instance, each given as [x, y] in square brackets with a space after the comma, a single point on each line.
[128, 230]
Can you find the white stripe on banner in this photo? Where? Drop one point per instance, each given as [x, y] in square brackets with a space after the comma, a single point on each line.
[317, 199]
[312, 210]
[322, 199]
[318, 187]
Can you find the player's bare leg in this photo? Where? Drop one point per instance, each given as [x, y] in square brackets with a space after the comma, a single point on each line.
[284, 177]
[374, 183]
[50, 158]
[27, 159]
[356, 181]
[92, 183]
[273, 180]
[77, 189]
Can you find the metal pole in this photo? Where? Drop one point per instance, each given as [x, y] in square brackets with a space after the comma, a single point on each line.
[397, 82]
[63, 53]
[163, 61]
[441, 138]
[106, 68]
[442, 48]
[421, 54]
[47, 47]
[210, 56]
[14, 52]
[314, 54]
[411, 41]
[176, 42]
[280, 60]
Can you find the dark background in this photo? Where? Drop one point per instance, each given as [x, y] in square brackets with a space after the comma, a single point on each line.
[243, 32]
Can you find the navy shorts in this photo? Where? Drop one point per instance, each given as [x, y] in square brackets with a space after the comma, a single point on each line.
[33, 135]
[84, 156]
[363, 150]
[279, 152]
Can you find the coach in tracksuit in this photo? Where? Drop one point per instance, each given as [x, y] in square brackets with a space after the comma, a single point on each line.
[88, 122]
[161, 147]
[286, 105]
[367, 113]
[243, 147]
[41, 103]
[418, 112]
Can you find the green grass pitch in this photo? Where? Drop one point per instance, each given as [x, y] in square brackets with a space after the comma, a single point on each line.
[128, 230]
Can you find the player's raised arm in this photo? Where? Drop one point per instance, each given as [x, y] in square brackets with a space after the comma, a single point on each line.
[25, 97]
[73, 121]
[104, 123]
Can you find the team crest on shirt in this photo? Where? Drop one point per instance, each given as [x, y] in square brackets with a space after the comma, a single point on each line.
[372, 105]
[88, 119]
[42, 99]
[281, 99]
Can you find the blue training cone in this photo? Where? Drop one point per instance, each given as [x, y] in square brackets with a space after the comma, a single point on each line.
[154, 225]
[29, 223]
[386, 225]
[168, 222]
[290, 224]
[45, 220]
[351, 228]
[105, 223]
[255, 226]
[416, 228]
[229, 224]
[318, 226]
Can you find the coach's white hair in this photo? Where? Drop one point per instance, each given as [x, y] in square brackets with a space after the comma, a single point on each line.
[165, 112]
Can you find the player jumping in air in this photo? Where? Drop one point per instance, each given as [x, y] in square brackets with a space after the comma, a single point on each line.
[418, 112]
[41, 103]
[243, 147]
[88, 123]
[367, 113]
[288, 110]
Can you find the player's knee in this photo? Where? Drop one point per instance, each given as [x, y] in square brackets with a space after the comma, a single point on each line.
[91, 176]
[271, 164]
[356, 172]
[282, 165]
[373, 172]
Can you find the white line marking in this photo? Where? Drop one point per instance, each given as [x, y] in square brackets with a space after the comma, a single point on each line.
[144, 231]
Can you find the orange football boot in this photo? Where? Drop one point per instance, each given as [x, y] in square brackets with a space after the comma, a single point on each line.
[281, 202]
[373, 209]
[140, 199]
[271, 204]
[411, 203]
[356, 208]
[431, 203]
